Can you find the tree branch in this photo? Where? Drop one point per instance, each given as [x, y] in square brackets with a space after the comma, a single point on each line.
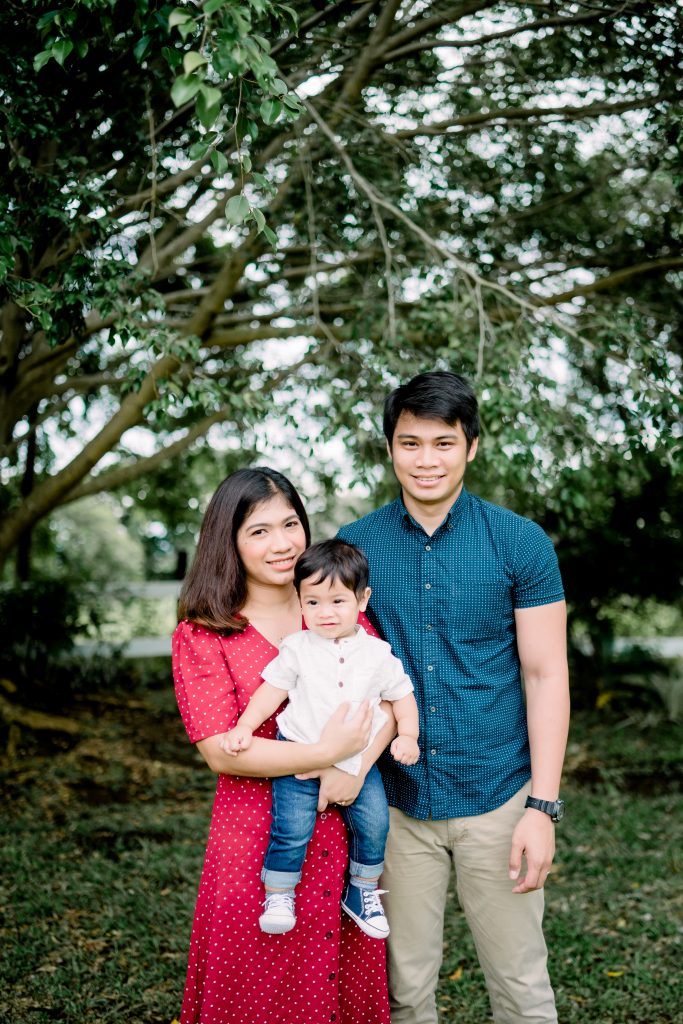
[568, 112]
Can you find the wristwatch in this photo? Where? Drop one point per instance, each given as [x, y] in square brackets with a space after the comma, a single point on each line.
[555, 808]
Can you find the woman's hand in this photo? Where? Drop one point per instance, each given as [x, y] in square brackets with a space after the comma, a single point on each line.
[336, 786]
[343, 737]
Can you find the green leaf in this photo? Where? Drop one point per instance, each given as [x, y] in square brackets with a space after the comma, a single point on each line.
[184, 88]
[279, 88]
[212, 96]
[219, 161]
[61, 50]
[186, 29]
[41, 59]
[178, 17]
[193, 60]
[259, 218]
[242, 20]
[237, 209]
[198, 150]
[270, 235]
[246, 163]
[82, 47]
[207, 115]
[271, 110]
[47, 19]
[142, 46]
[213, 5]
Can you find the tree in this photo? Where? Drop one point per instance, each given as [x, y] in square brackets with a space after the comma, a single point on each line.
[221, 211]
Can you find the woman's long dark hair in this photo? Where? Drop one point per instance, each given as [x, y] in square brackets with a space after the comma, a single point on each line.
[215, 588]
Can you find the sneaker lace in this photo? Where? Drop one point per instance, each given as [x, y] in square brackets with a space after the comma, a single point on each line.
[279, 901]
[371, 901]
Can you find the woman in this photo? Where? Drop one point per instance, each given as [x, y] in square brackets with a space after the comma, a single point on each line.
[238, 602]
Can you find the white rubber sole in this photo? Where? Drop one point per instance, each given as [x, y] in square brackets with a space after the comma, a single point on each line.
[365, 926]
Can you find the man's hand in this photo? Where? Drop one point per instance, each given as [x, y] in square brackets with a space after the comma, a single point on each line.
[405, 750]
[533, 839]
[237, 739]
[336, 786]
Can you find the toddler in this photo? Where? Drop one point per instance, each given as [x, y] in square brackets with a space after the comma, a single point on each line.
[332, 661]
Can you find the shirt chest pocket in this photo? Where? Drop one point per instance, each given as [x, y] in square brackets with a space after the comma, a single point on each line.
[479, 610]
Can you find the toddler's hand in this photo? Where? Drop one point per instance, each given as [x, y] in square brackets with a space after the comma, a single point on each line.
[237, 739]
[405, 750]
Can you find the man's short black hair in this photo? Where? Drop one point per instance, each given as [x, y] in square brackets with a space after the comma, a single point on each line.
[438, 395]
[333, 560]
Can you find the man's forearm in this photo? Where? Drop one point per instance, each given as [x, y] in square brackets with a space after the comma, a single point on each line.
[548, 724]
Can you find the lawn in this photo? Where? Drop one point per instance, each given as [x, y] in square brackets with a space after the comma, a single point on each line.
[103, 836]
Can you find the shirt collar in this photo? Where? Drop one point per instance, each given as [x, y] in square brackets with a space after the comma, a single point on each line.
[347, 642]
[452, 517]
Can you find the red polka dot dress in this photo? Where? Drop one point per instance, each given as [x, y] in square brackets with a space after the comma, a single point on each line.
[326, 969]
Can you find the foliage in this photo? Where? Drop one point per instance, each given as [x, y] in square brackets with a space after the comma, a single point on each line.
[270, 213]
[125, 810]
[40, 623]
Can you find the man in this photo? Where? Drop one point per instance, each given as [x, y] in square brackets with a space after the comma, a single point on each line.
[470, 598]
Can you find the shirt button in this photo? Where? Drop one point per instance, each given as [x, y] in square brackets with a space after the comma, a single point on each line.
[428, 547]
[430, 668]
[433, 751]
[429, 626]
[340, 683]
[432, 708]
[341, 661]
[428, 586]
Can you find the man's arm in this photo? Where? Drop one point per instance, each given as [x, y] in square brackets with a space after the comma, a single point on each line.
[542, 647]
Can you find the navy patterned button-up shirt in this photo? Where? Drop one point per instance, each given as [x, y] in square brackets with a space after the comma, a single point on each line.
[446, 605]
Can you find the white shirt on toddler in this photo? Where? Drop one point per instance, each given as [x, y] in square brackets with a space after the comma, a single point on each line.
[320, 674]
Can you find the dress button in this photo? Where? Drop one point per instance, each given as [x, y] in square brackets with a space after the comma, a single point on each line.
[428, 586]
[333, 1016]
[340, 683]
[327, 892]
[328, 935]
[331, 977]
[341, 661]
[325, 853]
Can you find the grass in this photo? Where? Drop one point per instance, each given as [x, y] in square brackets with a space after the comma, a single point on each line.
[103, 838]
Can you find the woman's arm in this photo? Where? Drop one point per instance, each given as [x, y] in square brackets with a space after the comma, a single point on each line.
[266, 758]
[337, 786]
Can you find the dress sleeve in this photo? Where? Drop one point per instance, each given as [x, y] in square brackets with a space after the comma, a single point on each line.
[204, 687]
[368, 626]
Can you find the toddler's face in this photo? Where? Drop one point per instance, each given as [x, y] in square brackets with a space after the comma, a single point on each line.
[330, 609]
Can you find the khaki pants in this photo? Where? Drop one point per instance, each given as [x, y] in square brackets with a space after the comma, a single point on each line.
[507, 928]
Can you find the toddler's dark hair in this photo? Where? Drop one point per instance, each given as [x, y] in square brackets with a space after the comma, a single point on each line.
[333, 560]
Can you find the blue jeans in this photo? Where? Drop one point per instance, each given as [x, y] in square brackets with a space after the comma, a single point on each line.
[295, 803]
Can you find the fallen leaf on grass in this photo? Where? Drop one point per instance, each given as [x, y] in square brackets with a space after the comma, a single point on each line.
[456, 975]
[614, 974]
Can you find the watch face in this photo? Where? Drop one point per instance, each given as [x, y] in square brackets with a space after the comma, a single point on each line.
[559, 811]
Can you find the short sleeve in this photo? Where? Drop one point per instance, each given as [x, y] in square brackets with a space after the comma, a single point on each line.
[536, 574]
[204, 687]
[283, 671]
[397, 683]
[369, 626]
